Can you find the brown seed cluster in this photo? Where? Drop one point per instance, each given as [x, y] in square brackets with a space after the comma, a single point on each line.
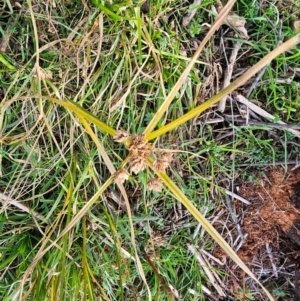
[140, 152]
[121, 176]
[120, 136]
[163, 161]
[155, 184]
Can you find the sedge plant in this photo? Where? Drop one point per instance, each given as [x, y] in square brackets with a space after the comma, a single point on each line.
[142, 155]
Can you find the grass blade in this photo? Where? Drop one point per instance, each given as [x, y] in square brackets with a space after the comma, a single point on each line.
[163, 108]
[73, 222]
[73, 107]
[208, 227]
[109, 12]
[233, 86]
[6, 63]
[112, 170]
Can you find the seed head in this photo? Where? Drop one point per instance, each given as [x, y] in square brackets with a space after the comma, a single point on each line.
[120, 136]
[137, 164]
[155, 184]
[121, 176]
[163, 161]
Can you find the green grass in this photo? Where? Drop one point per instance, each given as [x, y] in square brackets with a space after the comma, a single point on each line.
[49, 163]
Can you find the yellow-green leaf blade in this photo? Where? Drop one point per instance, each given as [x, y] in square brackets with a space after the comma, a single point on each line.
[163, 108]
[73, 107]
[82, 113]
[233, 86]
[208, 227]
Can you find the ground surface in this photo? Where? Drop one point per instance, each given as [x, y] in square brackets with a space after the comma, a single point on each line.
[270, 226]
[119, 60]
[274, 210]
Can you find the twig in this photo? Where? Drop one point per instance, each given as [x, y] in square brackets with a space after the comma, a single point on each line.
[262, 112]
[241, 242]
[162, 281]
[236, 196]
[228, 73]
[205, 290]
[297, 282]
[4, 41]
[291, 162]
[269, 251]
[286, 81]
[6, 200]
[268, 124]
[234, 218]
[217, 277]
[208, 272]
[117, 198]
[212, 257]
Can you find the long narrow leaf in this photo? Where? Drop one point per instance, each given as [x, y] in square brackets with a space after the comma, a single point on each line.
[72, 106]
[233, 86]
[112, 170]
[72, 223]
[208, 227]
[109, 12]
[82, 113]
[163, 108]
[5, 62]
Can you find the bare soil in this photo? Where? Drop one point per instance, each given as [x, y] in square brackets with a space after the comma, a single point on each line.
[274, 214]
[271, 226]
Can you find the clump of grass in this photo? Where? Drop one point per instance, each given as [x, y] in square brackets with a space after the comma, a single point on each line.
[93, 72]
